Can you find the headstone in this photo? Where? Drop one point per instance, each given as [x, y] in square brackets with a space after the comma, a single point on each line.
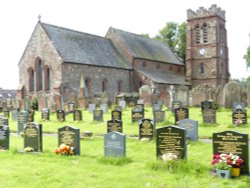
[122, 104]
[207, 105]
[140, 101]
[21, 120]
[137, 114]
[14, 114]
[192, 128]
[31, 114]
[209, 116]
[157, 107]
[232, 142]
[6, 114]
[239, 117]
[116, 114]
[182, 94]
[60, 114]
[77, 115]
[159, 116]
[171, 139]
[175, 105]
[181, 113]
[114, 144]
[146, 129]
[131, 100]
[71, 107]
[4, 134]
[117, 107]
[46, 114]
[238, 106]
[70, 136]
[114, 125]
[231, 93]
[98, 115]
[104, 108]
[92, 107]
[33, 136]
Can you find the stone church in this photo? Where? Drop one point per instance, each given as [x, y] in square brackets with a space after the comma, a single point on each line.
[61, 65]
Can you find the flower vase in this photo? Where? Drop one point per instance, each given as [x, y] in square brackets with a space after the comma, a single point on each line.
[235, 172]
[223, 173]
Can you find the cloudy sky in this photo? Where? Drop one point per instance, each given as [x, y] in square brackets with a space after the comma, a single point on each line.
[18, 19]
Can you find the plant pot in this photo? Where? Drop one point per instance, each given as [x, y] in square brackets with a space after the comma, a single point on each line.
[235, 172]
[223, 173]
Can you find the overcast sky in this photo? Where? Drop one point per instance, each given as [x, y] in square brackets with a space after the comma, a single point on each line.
[19, 17]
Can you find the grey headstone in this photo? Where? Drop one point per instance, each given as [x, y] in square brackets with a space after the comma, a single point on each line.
[92, 107]
[122, 104]
[98, 115]
[114, 144]
[159, 116]
[104, 108]
[21, 120]
[4, 136]
[192, 128]
[140, 101]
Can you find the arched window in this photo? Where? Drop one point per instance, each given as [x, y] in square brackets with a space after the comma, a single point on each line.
[119, 86]
[47, 78]
[205, 33]
[202, 68]
[221, 34]
[88, 84]
[31, 80]
[197, 34]
[104, 85]
[39, 74]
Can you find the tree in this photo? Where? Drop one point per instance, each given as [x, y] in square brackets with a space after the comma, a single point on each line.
[247, 57]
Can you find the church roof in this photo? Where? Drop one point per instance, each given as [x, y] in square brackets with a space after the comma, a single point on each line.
[146, 48]
[83, 48]
[164, 78]
[7, 93]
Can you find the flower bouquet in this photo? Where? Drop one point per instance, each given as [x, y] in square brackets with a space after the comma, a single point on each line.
[169, 159]
[64, 150]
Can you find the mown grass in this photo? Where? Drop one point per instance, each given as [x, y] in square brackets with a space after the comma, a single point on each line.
[139, 169]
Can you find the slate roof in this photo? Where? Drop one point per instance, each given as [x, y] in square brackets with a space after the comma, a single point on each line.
[7, 94]
[164, 78]
[146, 48]
[83, 48]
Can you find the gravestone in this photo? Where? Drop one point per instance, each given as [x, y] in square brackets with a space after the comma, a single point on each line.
[117, 107]
[6, 114]
[46, 114]
[137, 114]
[114, 125]
[22, 118]
[104, 108]
[14, 114]
[192, 128]
[171, 92]
[131, 100]
[238, 106]
[70, 136]
[171, 139]
[122, 104]
[92, 107]
[60, 114]
[157, 107]
[181, 113]
[239, 117]
[116, 114]
[114, 144]
[98, 115]
[207, 105]
[146, 129]
[71, 107]
[33, 136]
[175, 105]
[31, 114]
[77, 115]
[232, 142]
[231, 93]
[140, 101]
[209, 116]
[4, 134]
[159, 116]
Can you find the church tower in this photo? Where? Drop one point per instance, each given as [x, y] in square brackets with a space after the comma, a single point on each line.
[206, 48]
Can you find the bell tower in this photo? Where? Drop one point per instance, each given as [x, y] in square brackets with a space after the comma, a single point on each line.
[206, 48]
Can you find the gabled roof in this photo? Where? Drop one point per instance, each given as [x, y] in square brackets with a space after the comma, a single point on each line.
[7, 94]
[83, 48]
[146, 48]
[164, 78]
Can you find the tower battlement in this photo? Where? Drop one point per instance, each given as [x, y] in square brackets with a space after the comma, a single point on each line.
[203, 12]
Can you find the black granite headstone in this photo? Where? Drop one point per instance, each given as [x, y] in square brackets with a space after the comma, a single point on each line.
[4, 134]
[77, 115]
[181, 113]
[232, 142]
[114, 125]
[98, 115]
[116, 114]
[146, 129]
[33, 136]
[70, 136]
[114, 144]
[60, 114]
[239, 117]
[209, 116]
[171, 139]
[46, 114]
[137, 114]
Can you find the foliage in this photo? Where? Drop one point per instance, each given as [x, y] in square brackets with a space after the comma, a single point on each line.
[34, 103]
[247, 57]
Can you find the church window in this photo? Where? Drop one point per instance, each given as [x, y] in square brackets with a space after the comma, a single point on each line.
[39, 74]
[119, 86]
[104, 85]
[88, 83]
[197, 34]
[202, 68]
[31, 80]
[205, 33]
[221, 34]
[144, 64]
[47, 78]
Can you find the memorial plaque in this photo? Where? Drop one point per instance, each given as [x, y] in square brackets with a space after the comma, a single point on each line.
[137, 114]
[191, 127]
[114, 125]
[209, 116]
[21, 120]
[4, 135]
[31, 114]
[33, 136]
[114, 144]
[46, 114]
[171, 139]
[181, 113]
[175, 105]
[70, 136]
[146, 129]
[205, 105]
[232, 142]
[98, 115]
[6, 114]
[60, 114]
[92, 107]
[116, 114]
[239, 117]
[77, 115]
[104, 108]
[159, 116]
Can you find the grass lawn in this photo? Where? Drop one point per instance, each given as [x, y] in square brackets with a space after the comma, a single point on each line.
[139, 169]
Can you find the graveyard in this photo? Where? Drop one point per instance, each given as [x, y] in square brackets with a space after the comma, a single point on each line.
[132, 161]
